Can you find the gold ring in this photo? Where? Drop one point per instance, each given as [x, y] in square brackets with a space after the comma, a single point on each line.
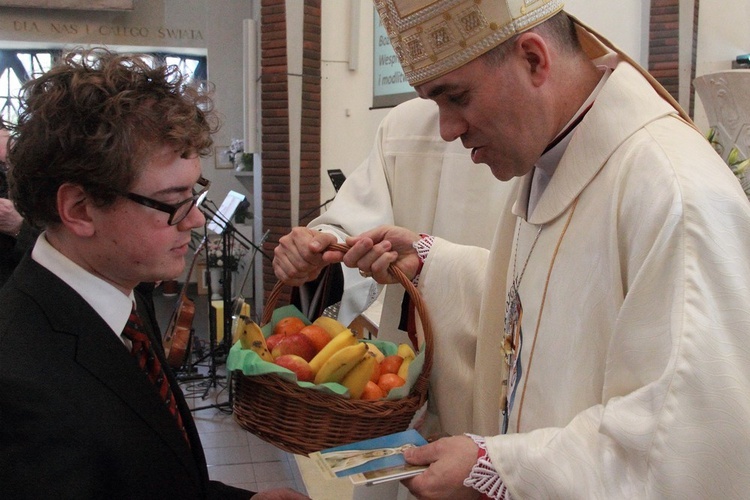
[365, 274]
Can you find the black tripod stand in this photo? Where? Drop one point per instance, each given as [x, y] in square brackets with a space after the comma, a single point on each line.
[219, 349]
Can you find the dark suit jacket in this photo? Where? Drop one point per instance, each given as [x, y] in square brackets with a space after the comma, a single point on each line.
[78, 418]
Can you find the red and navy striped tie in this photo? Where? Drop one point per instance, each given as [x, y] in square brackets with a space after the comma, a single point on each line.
[144, 354]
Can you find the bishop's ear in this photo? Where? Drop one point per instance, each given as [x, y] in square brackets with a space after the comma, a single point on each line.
[536, 54]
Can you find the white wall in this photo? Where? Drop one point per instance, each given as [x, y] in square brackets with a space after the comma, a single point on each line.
[349, 124]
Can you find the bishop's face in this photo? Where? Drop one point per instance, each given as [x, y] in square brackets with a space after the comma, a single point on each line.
[491, 109]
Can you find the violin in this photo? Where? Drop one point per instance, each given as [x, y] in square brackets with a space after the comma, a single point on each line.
[178, 335]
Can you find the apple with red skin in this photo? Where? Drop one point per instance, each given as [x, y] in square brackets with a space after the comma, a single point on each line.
[273, 340]
[296, 343]
[299, 366]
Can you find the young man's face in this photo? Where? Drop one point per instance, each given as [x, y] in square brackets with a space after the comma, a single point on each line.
[134, 242]
[490, 109]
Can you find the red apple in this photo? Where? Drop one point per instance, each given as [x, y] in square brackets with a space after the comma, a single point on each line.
[295, 343]
[317, 335]
[273, 340]
[299, 366]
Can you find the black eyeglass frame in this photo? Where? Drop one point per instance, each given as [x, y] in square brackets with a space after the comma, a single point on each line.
[173, 209]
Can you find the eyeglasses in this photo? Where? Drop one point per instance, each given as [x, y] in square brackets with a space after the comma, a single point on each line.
[178, 212]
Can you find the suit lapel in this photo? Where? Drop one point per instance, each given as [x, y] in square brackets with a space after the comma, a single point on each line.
[102, 354]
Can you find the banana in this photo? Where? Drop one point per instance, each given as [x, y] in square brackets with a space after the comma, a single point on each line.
[340, 363]
[403, 370]
[344, 339]
[376, 351]
[405, 351]
[358, 376]
[251, 337]
[332, 326]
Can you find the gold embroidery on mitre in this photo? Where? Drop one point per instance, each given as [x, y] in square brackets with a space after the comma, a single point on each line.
[433, 37]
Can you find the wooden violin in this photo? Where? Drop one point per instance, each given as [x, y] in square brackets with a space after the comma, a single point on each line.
[178, 335]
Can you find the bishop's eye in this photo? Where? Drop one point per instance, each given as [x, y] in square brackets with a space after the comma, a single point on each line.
[459, 98]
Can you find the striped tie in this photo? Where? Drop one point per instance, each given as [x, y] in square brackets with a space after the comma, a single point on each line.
[146, 358]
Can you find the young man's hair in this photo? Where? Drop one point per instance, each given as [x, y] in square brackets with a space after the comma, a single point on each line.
[94, 120]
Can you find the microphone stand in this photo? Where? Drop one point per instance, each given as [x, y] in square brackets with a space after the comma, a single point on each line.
[229, 235]
[212, 375]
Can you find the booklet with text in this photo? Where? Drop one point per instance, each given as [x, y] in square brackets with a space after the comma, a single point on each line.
[371, 461]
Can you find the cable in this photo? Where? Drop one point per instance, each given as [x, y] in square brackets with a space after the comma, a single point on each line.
[318, 207]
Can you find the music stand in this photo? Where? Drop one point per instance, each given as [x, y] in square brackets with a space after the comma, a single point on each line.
[220, 221]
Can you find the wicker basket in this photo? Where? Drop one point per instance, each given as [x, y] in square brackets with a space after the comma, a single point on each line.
[300, 420]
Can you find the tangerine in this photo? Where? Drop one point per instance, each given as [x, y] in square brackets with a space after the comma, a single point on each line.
[288, 325]
[391, 364]
[388, 381]
[372, 391]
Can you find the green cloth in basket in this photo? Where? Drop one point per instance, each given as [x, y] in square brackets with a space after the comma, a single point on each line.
[249, 363]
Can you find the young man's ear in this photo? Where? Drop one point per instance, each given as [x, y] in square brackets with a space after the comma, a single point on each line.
[73, 206]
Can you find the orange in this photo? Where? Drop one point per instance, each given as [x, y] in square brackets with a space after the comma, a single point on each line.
[391, 364]
[375, 373]
[318, 336]
[372, 391]
[388, 381]
[288, 325]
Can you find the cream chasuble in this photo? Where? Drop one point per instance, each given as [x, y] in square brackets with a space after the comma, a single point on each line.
[641, 372]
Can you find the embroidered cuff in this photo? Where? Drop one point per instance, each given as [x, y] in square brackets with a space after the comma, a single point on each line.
[422, 246]
[483, 477]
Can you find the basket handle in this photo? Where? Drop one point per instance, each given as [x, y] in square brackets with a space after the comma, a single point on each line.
[414, 294]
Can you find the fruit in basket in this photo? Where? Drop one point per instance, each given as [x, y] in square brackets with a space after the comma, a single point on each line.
[388, 381]
[340, 363]
[344, 339]
[252, 338]
[405, 351]
[295, 343]
[317, 335]
[358, 376]
[376, 351]
[332, 326]
[298, 365]
[273, 340]
[391, 364]
[288, 325]
[376, 372]
[403, 370]
[372, 391]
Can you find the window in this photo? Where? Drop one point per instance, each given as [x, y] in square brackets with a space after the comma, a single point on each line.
[18, 66]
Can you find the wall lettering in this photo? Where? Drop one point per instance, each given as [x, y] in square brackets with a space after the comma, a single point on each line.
[108, 31]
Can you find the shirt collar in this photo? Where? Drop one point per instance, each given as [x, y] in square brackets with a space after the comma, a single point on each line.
[550, 159]
[110, 303]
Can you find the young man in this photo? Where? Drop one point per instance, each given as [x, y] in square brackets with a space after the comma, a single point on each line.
[603, 338]
[106, 158]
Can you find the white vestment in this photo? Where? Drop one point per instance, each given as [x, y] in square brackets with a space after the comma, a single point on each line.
[413, 179]
[636, 331]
